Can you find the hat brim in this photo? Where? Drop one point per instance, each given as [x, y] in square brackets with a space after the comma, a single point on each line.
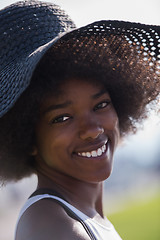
[118, 41]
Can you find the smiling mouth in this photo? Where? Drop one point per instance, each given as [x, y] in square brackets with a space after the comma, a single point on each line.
[95, 153]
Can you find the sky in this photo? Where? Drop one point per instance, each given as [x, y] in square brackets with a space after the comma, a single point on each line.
[83, 12]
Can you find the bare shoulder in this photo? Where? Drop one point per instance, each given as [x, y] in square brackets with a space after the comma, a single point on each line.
[47, 220]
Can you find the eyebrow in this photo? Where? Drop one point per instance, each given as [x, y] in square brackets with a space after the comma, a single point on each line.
[67, 103]
[57, 106]
[99, 94]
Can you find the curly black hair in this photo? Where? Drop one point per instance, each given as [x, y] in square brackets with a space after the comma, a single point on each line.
[130, 86]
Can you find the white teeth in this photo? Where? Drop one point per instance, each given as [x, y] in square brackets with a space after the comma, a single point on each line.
[104, 148]
[88, 154]
[94, 153]
[99, 152]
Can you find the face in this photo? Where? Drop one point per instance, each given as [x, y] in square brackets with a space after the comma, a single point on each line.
[77, 132]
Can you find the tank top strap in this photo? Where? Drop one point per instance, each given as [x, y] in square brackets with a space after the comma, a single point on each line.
[70, 210]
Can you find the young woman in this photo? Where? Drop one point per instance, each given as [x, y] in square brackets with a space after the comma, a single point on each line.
[65, 103]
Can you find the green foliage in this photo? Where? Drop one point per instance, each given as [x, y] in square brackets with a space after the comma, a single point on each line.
[140, 221]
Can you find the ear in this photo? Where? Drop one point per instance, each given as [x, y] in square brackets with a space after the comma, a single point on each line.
[34, 151]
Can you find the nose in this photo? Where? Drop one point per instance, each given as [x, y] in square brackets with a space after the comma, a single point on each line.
[90, 130]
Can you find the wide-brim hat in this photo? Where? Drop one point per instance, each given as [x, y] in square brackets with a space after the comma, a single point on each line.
[29, 28]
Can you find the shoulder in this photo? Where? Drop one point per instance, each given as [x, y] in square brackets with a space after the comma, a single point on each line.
[47, 220]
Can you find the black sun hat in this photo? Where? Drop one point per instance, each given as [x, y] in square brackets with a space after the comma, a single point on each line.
[29, 28]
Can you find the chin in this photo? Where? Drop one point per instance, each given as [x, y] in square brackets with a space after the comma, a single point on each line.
[100, 177]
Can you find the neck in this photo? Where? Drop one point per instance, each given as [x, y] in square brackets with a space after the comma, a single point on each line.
[87, 197]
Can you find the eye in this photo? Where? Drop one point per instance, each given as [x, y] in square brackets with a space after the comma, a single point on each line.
[102, 105]
[60, 119]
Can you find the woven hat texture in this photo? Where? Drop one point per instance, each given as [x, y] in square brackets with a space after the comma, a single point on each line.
[117, 43]
[26, 27]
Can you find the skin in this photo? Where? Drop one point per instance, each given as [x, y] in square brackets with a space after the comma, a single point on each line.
[79, 119]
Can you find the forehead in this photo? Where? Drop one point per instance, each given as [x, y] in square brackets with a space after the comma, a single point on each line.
[64, 87]
[77, 83]
[73, 89]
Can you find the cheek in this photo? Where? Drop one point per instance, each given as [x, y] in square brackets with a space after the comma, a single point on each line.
[116, 130]
[111, 123]
[111, 120]
[51, 141]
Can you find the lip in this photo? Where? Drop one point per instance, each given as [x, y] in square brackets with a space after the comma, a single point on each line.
[93, 148]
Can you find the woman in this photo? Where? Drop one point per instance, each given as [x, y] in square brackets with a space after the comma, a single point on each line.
[66, 102]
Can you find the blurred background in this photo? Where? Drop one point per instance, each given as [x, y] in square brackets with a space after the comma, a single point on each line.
[132, 193]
